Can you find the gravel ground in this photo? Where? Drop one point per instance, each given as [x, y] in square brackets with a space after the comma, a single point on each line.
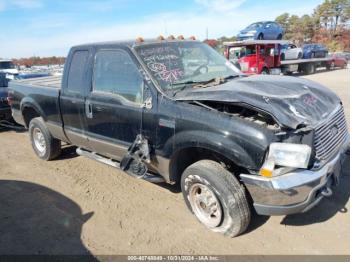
[77, 206]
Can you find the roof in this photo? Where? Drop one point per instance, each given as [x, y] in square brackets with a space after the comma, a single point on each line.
[256, 42]
[131, 43]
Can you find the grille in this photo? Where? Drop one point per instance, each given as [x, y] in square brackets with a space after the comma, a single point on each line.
[244, 66]
[331, 135]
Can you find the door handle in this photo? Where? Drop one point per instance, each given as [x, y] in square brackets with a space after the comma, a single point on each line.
[99, 108]
[88, 109]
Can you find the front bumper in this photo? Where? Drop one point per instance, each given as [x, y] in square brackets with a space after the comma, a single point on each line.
[295, 192]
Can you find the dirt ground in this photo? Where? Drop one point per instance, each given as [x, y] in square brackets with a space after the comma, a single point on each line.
[77, 206]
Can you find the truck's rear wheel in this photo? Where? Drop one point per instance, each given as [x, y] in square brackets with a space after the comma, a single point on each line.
[216, 198]
[265, 71]
[309, 69]
[45, 146]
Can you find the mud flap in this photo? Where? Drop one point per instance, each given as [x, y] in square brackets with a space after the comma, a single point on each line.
[135, 162]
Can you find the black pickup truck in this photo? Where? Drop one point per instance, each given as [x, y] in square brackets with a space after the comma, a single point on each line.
[176, 111]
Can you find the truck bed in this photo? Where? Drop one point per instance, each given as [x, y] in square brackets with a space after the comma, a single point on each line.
[50, 81]
[45, 91]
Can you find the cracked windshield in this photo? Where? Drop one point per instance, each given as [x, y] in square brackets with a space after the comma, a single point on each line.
[178, 64]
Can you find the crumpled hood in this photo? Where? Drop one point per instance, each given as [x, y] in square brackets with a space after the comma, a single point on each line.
[291, 101]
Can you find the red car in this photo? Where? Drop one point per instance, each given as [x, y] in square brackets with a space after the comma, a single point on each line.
[338, 60]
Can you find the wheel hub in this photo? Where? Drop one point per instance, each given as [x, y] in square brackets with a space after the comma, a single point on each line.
[39, 140]
[205, 205]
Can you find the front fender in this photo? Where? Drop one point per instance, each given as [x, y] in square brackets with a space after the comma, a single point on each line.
[213, 142]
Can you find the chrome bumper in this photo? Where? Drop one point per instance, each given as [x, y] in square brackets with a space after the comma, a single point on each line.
[294, 192]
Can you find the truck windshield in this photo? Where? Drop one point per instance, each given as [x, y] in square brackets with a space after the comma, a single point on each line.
[171, 63]
[6, 65]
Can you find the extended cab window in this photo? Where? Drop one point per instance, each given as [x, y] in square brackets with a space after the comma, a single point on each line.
[116, 73]
[77, 71]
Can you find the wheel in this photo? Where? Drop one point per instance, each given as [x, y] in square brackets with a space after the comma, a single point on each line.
[279, 37]
[344, 66]
[45, 146]
[332, 65]
[260, 37]
[300, 55]
[310, 69]
[216, 198]
[265, 71]
[283, 57]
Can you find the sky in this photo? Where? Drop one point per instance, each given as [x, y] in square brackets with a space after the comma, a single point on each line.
[51, 27]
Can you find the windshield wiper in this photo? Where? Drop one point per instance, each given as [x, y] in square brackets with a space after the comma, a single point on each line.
[185, 85]
[215, 81]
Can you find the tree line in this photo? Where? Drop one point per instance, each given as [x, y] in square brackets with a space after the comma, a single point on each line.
[329, 24]
[36, 60]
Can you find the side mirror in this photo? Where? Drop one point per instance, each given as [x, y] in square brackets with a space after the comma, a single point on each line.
[148, 103]
[146, 96]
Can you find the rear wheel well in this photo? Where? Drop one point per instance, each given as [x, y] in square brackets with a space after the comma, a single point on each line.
[28, 114]
[188, 156]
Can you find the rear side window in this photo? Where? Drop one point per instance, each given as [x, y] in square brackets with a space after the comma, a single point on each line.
[77, 71]
[116, 73]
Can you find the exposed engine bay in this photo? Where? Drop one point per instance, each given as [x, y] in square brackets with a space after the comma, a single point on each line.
[245, 113]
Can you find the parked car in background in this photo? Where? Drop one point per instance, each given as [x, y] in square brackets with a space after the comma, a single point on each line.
[31, 75]
[338, 60]
[5, 110]
[291, 51]
[6, 66]
[267, 30]
[314, 51]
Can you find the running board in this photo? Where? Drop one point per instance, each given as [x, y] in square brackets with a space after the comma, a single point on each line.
[94, 156]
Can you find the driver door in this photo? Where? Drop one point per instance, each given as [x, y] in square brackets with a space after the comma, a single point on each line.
[113, 107]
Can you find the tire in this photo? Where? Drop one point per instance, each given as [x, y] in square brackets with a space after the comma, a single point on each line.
[332, 66]
[279, 37]
[310, 69]
[45, 146]
[345, 66]
[260, 37]
[283, 57]
[265, 71]
[300, 55]
[207, 181]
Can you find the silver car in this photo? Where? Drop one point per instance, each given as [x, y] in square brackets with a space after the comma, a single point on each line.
[291, 51]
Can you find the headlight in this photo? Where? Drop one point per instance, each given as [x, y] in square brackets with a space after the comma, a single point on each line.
[286, 155]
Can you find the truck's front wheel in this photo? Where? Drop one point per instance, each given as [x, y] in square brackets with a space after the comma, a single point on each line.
[45, 146]
[216, 198]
